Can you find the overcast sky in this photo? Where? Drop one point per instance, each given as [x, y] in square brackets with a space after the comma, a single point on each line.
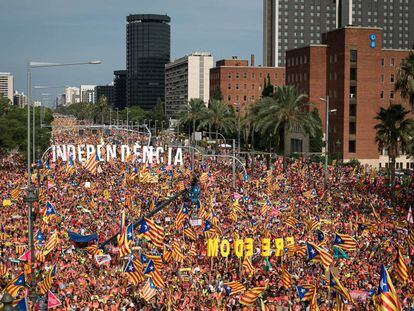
[81, 30]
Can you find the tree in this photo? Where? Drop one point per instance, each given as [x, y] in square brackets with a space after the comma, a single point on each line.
[268, 88]
[287, 109]
[405, 79]
[219, 116]
[393, 132]
[194, 111]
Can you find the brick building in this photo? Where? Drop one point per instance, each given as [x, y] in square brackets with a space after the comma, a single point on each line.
[237, 83]
[358, 75]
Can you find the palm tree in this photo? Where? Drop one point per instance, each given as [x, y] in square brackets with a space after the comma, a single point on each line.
[393, 133]
[193, 112]
[405, 79]
[286, 110]
[220, 116]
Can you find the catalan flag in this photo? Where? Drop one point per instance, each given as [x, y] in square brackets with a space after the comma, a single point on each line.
[318, 254]
[401, 267]
[233, 288]
[336, 285]
[21, 305]
[176, 252]
[236, 206]
[321, 236]
[3, 233]
[154, 274]
[203, 178]
[265, 208]
[45, 285]
[15, 193]
[209, 231]
[148, 291]
[123, 243]
[250, 296]
[152, 231]
[166, 255]
[202, 212]
[157, 260]
[291, 222]
[387, 299]
[410, 238]
[51, 243]
[70, 167]
[182, 215]
[15, 285]
[93, 250]
[39, 238]
[306, 292]
[189, 232]
[345, 242]
[134, 173]
[286, 279]
[247, 265]
[312, 224]
[3, 269]
[133, 271]
[50, 212]
[92, 163]
[233, 216]
[193, 250]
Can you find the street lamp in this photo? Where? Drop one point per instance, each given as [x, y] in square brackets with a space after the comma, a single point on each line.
[327, 113]
[31, 193]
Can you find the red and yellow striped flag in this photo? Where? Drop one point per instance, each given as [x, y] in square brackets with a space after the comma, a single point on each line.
[176, 252]
[51, 243]
[250, 296]
[286, 279]
[123, 243]
[247, 265]
[15, 193]
[235, 287]
[401, 267]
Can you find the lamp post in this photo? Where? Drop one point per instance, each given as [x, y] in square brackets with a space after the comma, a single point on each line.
[31, 193]
[327, 113]
[162, 126]
[155, 128]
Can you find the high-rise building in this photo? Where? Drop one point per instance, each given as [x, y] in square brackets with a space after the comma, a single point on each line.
[394, 16]
[19, 99]
[120, 84]
[288, 24]
[6, 85]
[148, 50]
[358, 75]
[107, 91]
[187, 78]
[72, 95]
[88, 94]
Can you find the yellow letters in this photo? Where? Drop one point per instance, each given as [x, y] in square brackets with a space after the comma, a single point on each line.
[224, 248]
[265, 247]
[212, 247]
[279, 247]
[238, 248]
[248, 245]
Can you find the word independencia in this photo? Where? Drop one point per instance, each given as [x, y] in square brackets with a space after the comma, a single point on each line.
[144, 154]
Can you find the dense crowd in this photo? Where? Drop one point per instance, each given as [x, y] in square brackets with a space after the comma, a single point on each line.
[285, 200]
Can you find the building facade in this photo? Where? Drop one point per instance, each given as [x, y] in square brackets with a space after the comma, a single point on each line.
[148, 51]
[395, 17]
[72, 95]
[7, 85]
[358, 75]
[289, 24]
[239, 84]
[106, 90]
[88, 94]
[120, 89]
[19, 99]
[185, 79]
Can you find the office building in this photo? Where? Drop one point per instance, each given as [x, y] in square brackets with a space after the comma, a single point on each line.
[72, 95]
[239, 84]
[288, 24]
[120, 89]
[395, 17]
[358, 75]
[88, 94]
[19, 99]
[107, 91]
[187, 78]
[148, 51]
[6, 85]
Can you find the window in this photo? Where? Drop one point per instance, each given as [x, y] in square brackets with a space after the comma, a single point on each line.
[296, 145]
[260, 76]
[392, 94]
[245, 97]
[352, 128]
[392, 78]
[237, 97]
[237, 86]
[353, 74]
[229, 76]
[352, 146]
[392, 62]
[353, 56]
[352, 110]
[245, 86]
[229, 86]
[382, 62]
[382, 78]
[253, 75]
[229, 98]
[245, 75]
[237, 75]
[252, 86]
[382, 95]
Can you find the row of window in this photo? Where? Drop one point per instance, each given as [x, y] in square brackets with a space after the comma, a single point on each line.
[229, 86]
[399, 165]
[297, 77]
[298, 60]
[392, 95]
[237, 98]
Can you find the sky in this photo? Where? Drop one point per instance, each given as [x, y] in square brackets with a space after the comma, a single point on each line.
[83, 30]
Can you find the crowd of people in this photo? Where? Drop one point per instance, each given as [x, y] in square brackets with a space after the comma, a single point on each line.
[286, 200]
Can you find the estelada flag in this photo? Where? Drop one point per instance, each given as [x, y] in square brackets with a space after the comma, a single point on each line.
[52, 301]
